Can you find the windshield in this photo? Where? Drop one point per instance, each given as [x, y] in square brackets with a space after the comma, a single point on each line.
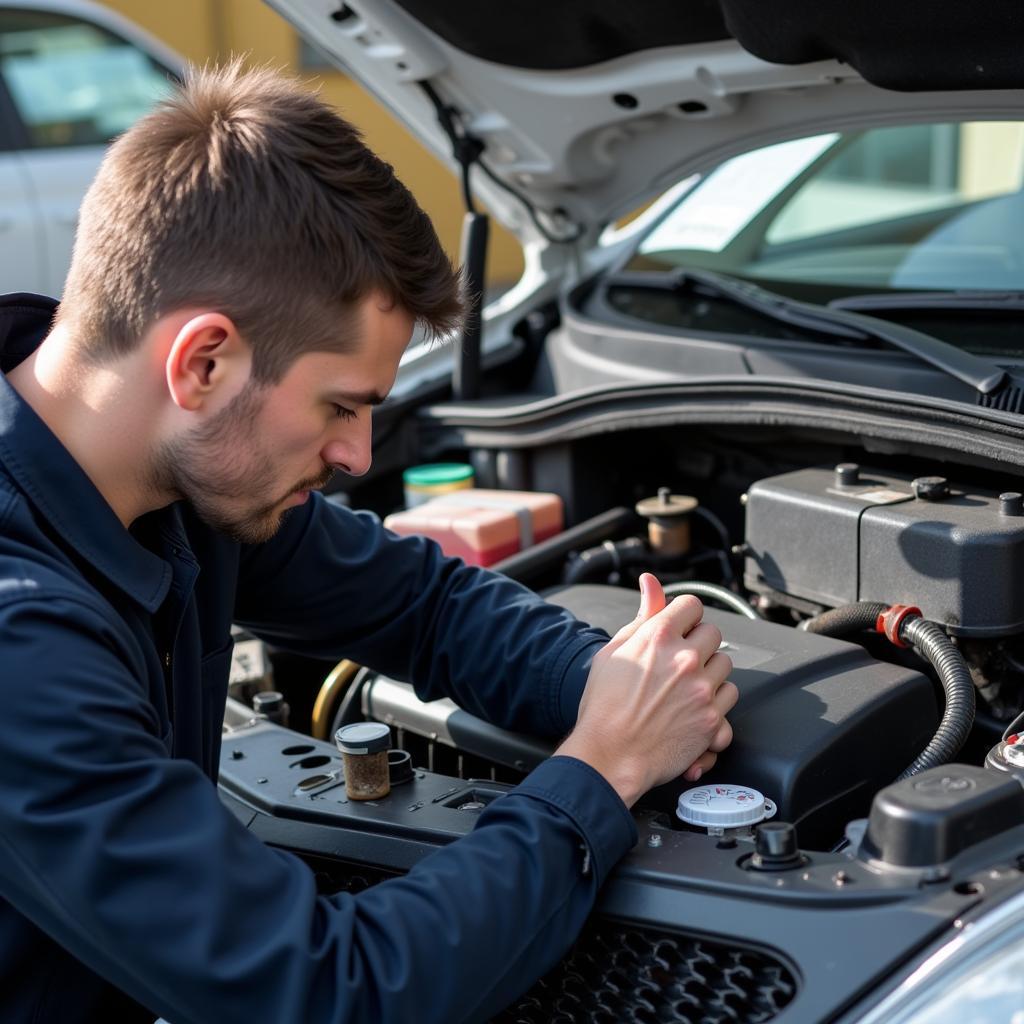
[918, 208]
[912, 207]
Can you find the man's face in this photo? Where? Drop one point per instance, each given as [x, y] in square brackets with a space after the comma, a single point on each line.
[272, 445]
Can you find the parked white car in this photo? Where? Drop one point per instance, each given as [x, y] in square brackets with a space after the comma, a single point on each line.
[73, 75]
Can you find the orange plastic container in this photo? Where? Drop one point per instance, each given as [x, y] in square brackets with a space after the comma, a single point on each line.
[483, 526]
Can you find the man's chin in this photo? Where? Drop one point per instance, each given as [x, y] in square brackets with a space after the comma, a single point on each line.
[255, 529]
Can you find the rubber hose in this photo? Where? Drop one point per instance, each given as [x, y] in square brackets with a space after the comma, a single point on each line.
[845, 620]
[609, 557]
[713, 592]
[930, 641]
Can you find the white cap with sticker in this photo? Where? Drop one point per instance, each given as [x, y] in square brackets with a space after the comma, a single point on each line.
[724, 806]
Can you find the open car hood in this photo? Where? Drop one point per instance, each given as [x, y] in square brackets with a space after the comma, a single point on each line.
[587, 108]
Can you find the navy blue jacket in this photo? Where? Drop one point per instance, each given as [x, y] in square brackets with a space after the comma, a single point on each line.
[127, 890]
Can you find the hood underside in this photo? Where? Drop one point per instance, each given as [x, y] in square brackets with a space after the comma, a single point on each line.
[587, 108]
[911, 45]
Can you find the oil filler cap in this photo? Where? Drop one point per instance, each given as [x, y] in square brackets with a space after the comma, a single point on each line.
[723, 806]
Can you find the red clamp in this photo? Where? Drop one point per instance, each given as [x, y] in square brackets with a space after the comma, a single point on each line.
[890, 622]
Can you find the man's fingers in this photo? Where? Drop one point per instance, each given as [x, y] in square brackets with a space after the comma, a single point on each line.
[706, 638]
[721, 739]
[726, 695]
[680, 615]
[703, 764]
[718, 668]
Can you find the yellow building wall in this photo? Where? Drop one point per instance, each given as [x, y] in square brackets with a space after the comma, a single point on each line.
[211, 30]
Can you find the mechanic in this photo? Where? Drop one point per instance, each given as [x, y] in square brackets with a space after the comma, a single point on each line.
[246, 276]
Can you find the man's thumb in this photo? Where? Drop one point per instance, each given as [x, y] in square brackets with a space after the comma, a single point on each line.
[652, 600]
[652, 597]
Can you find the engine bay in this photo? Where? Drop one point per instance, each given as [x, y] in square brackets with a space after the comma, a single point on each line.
[830, 726]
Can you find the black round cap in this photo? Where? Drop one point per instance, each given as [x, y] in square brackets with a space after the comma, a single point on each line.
[931, 488]
[268, 702]
[847, 473]
[775, 847]
[1011, 503]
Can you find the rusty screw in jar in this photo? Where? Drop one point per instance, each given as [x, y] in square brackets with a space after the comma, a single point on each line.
[364, 749]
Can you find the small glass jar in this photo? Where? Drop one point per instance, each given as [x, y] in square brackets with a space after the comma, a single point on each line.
[364, 749]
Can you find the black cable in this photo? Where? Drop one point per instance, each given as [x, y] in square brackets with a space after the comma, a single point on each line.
[468, 150]
[723, 534]
[531, 209]
[465, 148]
[1014, 726]
[716, 524]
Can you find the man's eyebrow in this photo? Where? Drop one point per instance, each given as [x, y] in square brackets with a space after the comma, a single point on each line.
[360, 397]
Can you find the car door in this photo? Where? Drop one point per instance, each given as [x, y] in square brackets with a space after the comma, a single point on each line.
[22, 235]
[69, 86]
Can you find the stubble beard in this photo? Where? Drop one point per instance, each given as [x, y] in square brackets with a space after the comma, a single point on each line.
[209, 470]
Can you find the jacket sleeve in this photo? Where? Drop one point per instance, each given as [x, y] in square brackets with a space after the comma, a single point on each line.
[335, 583]
[128, 860]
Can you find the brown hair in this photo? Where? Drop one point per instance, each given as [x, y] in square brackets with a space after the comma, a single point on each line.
[247, 193]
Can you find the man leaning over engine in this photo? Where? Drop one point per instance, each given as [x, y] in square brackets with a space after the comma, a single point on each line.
[246, 276]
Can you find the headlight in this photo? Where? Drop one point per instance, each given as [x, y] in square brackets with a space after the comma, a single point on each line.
[976, 978]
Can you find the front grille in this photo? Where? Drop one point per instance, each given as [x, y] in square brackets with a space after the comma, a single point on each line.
[619, 974]
[333, 876]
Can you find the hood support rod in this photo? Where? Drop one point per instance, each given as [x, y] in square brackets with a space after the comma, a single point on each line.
[473, 256]
[472, 252]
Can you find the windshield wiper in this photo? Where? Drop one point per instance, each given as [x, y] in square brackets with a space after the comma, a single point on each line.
[985, 377]
[968, 299]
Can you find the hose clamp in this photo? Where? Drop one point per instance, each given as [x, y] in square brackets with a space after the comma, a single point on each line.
[890, 622]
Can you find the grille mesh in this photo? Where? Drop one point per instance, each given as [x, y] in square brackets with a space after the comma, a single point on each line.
[334, 876]
[620, 974]
[617, 974]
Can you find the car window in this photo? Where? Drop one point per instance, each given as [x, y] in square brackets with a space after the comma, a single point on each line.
[910, 207]
[891, 173]
[72, 82]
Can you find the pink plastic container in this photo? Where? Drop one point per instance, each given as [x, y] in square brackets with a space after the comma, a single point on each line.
[483, 526]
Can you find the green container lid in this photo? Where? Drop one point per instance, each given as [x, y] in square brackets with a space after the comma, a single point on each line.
[437, 473]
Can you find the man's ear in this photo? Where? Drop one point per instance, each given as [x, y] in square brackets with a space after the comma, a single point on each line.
[208, 362]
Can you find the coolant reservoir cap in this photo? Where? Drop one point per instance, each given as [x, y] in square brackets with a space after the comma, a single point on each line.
[723, 806]
[434, 474]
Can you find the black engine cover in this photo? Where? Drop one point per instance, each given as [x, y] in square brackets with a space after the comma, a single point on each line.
[820, 725]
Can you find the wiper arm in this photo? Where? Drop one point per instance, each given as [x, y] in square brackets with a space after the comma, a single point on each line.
[970, 299]
[980, 374]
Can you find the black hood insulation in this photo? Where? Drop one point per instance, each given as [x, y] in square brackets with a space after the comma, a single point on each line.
[912, 45]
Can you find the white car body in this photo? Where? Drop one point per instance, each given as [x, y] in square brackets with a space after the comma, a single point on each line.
[41, 186]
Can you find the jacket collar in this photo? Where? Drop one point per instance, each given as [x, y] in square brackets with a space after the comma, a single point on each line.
[51, 479]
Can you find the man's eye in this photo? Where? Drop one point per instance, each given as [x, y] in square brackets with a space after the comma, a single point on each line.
[342, 413]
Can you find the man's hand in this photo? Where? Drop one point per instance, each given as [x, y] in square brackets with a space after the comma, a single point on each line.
[655, 702]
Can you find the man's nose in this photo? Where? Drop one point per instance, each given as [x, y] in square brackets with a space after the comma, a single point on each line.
[352, 453]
